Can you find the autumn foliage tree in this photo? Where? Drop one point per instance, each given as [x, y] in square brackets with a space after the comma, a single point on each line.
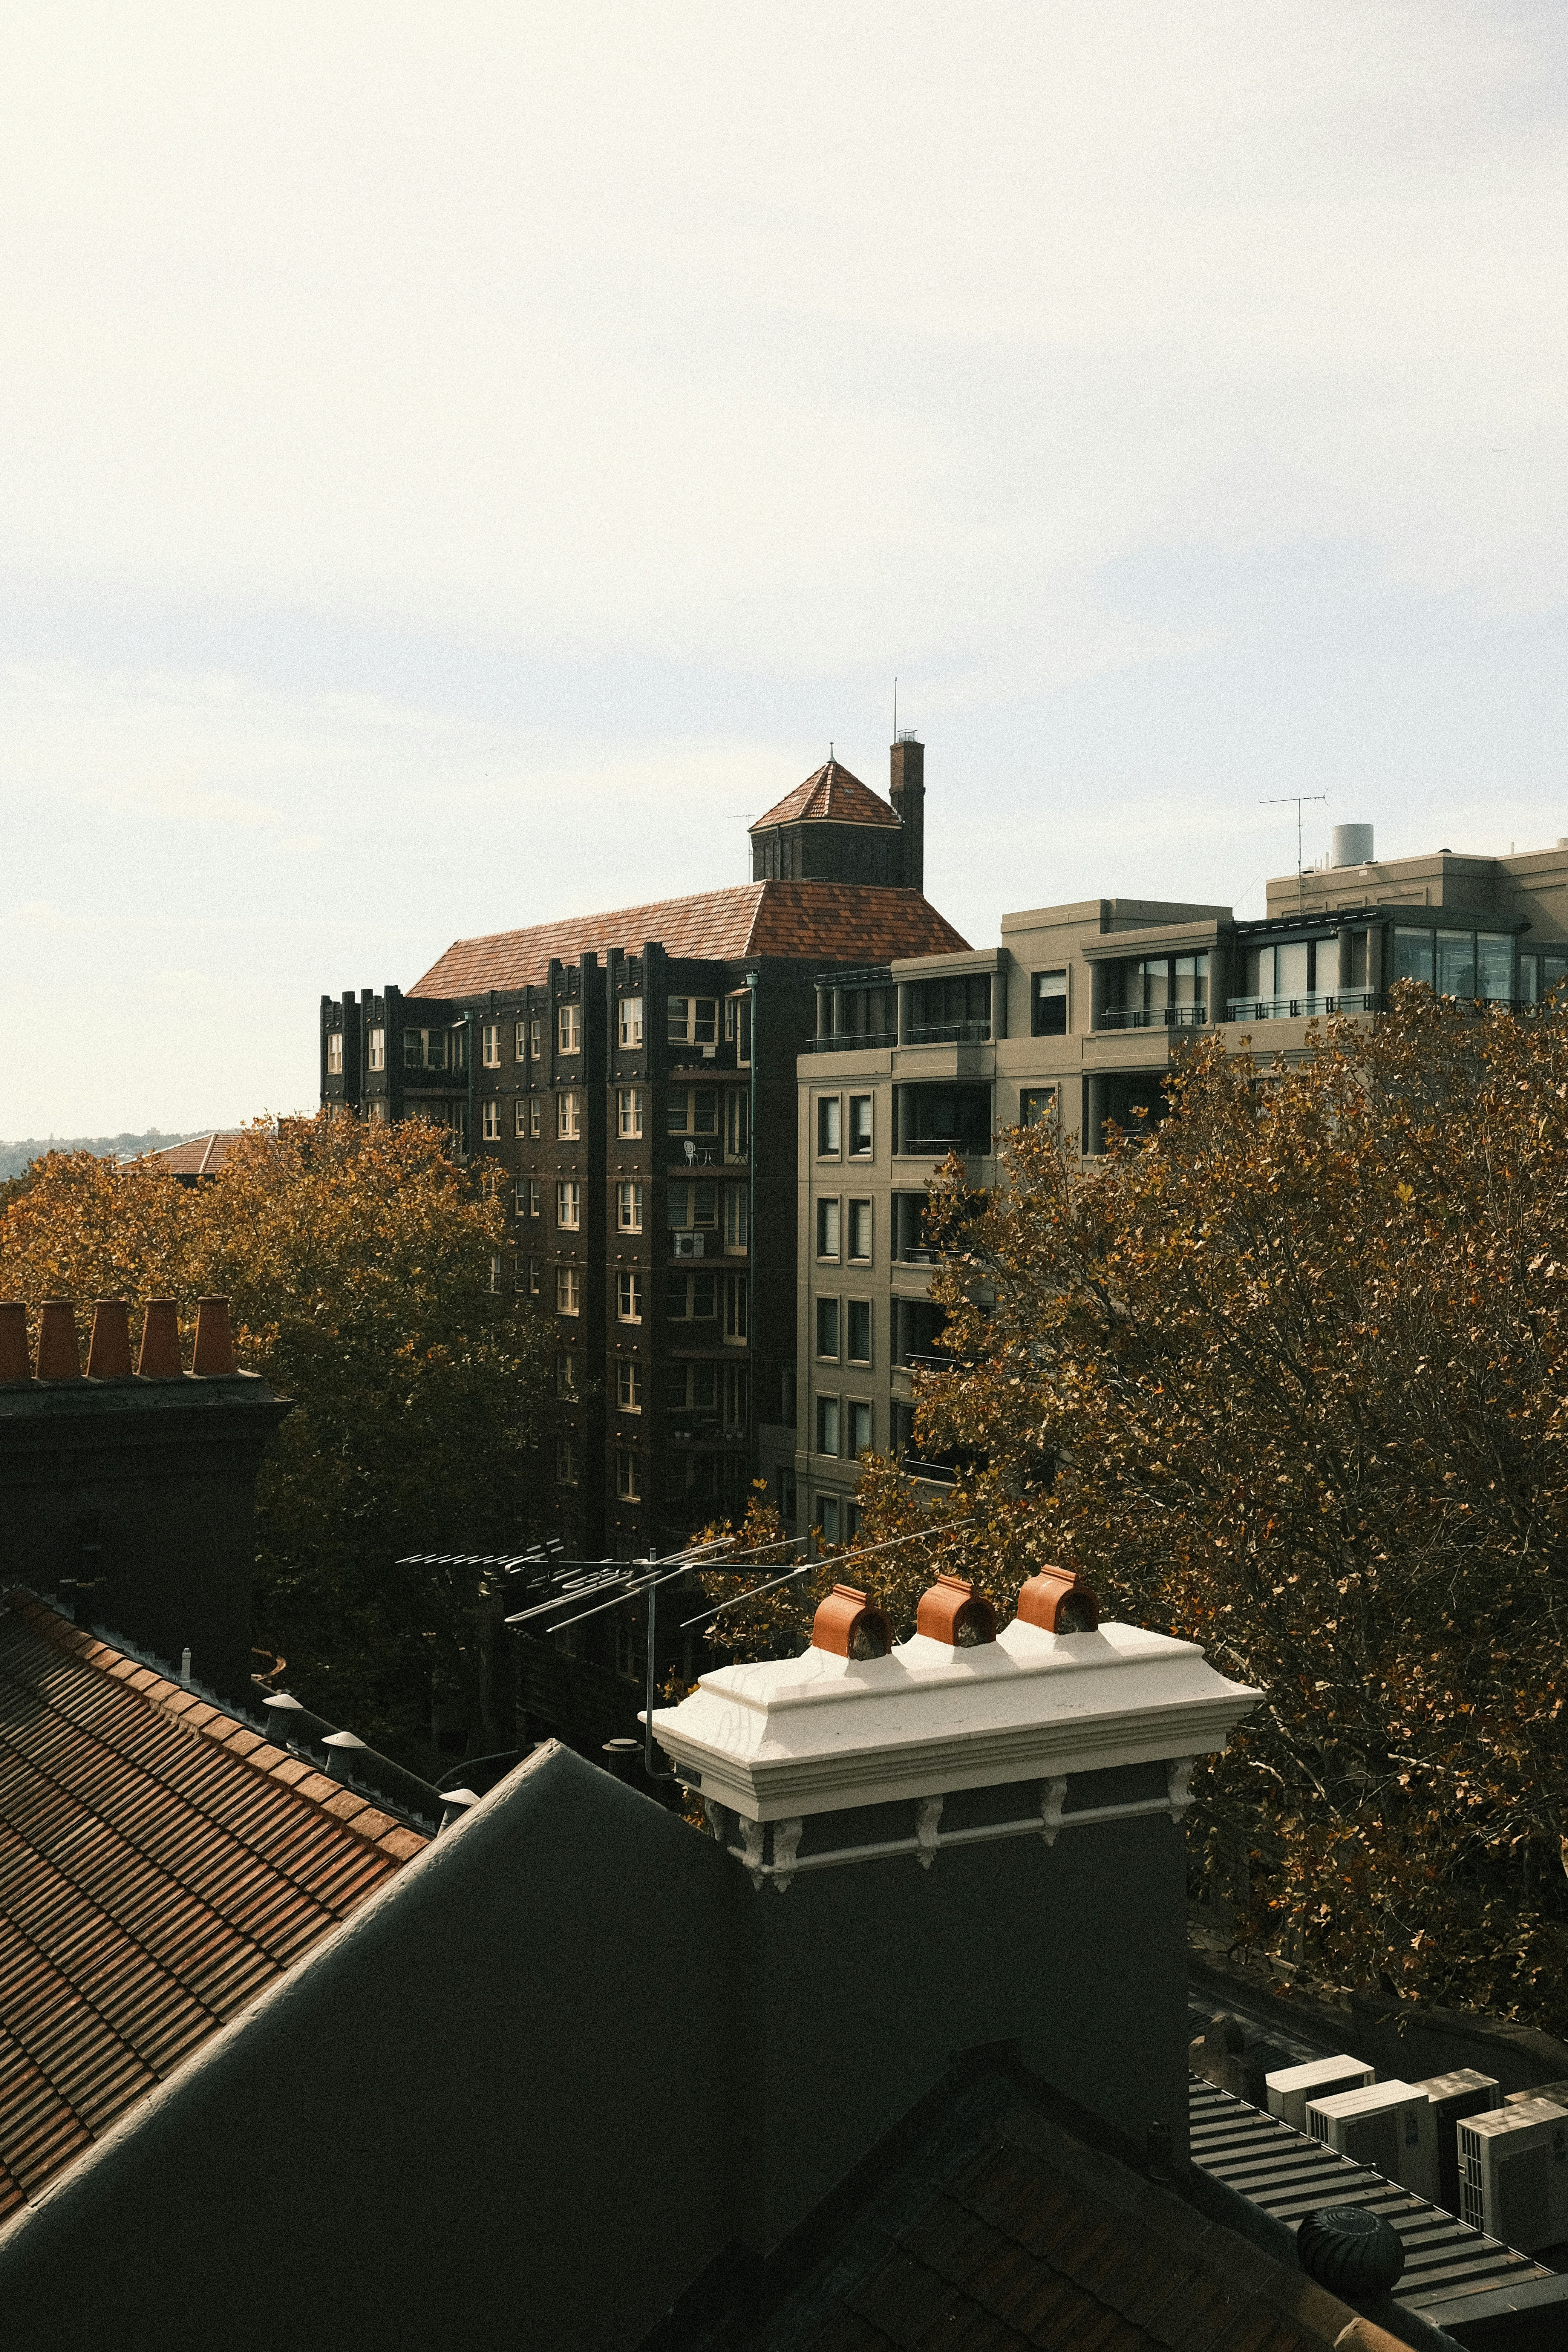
[1288, 1376]
[357, 1261]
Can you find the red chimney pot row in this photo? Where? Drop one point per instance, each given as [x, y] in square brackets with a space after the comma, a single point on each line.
[109, 1351]
[952, 1610]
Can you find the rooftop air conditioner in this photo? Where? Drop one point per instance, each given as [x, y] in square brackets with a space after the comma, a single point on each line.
[1513, 2173]
[1387, 2126]
[1452, 2096]
[688, 1245]
[1293, 2087]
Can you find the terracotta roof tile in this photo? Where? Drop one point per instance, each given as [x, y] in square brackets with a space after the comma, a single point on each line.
[153, 1879]
[831, 796]
[203, 1155]
[817, 922]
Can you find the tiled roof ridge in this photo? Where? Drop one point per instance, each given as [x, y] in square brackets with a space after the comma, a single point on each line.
[733, 890]
[812, 800]
[198, 1720]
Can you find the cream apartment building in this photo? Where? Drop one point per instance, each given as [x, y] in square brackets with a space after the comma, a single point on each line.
[1075, 1016]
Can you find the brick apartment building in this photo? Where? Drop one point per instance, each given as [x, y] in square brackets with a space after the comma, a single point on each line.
[632, 1076]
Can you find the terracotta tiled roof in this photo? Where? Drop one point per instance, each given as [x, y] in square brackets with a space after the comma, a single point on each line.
[831, 796]
[203, 1155]
[821, 922]
[159, 1864]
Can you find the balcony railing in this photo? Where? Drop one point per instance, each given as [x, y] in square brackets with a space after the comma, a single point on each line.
[854, 1041]
[1303, 1008]
[950, 1033]
[937, 1147]
[1154, 1016]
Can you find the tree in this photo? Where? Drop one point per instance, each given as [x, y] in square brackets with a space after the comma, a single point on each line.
[1287, 1376]
[357, 1261]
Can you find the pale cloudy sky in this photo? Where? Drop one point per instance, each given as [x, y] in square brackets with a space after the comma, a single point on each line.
[455, 463]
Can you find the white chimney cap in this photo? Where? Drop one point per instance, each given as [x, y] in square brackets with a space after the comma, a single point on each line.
[820, 1733]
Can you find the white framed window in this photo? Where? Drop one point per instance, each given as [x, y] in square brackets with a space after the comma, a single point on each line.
[859, 1126]
[520, 1116]
[569, 1207]
[378, 1049]
[827, 1425]
[629, 1110]
[692, 1208]
[694, 1110]
[628, 1296]
[629, 1030]
[628, 1384]
[495, 1274]
[565, 1459]
[489, 1044]
[628, 1208]
[492, 1121]
[860, 1232]
[520, 1042]
[568, 1290]
[692, 1298]
[737, 1219]
[738, 1027]
[829, 1126]
[693, 1388]
[827, 1320]
[827, 1228]
[530, 1197]
[693, 1021]
[568, 1028]
[536, 1118]
[334, 1053]
[569, 1116]
[737, 1125]
[565, 1374]
[1038, 1107]
[379, 1111]
[737, 1300]
[628, 1479]
[858, 1332]
[536, 1040]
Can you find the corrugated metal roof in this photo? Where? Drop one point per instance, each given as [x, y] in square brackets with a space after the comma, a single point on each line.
[831, 796]
[159, 1864]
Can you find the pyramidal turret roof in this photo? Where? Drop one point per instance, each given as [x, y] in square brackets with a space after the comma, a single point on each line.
[831, 796]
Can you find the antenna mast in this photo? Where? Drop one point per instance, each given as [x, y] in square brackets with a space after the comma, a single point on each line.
[1283, 799]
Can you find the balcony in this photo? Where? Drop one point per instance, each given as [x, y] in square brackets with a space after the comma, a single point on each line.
[937, 1147]
[1154, 1016]
[1303, 1008]
[854, 1041]
[949, 1033]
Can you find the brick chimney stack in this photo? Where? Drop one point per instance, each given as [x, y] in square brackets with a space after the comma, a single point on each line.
[907, 795]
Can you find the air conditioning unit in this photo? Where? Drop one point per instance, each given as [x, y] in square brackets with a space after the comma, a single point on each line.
[689, 1244]
[1452, 2096]
[1387, 2126]
[1513, 2173]
[1293, 2087]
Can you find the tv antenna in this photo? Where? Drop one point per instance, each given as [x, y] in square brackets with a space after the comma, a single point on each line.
[1283, 799]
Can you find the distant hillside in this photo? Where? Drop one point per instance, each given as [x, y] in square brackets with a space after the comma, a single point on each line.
[13, 1157]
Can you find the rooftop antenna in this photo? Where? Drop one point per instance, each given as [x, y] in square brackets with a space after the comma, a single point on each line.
[895, 708]
[1280, 801]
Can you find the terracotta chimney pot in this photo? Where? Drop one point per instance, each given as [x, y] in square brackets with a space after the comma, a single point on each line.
[847, 1625]
[951, 1610]
[15, 1363]
[109, 1355]
[213, 1356]
[1059, 1602]
[160, 1359]
[59, 1352]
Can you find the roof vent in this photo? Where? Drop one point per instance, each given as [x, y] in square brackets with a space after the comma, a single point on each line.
[951, 1610]
[908, 735]
[1059, 1602]
[1350, 845]
[847, 1625]
[281, 1709]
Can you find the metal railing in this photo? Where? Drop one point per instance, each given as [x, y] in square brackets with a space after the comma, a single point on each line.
[1154, 1016]
[937, 1147]
[853, 1040]
[950, 1033]
[1303, 1008]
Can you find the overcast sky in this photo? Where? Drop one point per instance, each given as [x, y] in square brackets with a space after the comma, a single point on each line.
[455, 463]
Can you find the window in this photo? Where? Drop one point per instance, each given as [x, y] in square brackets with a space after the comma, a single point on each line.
[1037, 1105]
[851, 1521]
[535, 1040]
[827, 1126]
[860, 1432]
[629, 1483]
[860, 1232]
[565, 1375]
[569, 1118]
[568, 1290]
[334, 1053]
[827, 1424]
[1050, 1009]
[827, 1517]
[693, 1021]
[693, 1388]
[630, 1029]
[569, 1207]
[738, 1027]
[569, 1641]
[536, 1116]
[520, 1116]
[859, 1126]
[858, 1332]
[737, 1218]
[692, 1298]
[956, 1011]
[492, 1121]
[379, 1111]
[628, 1296]
[519, 1042]
[692, 1208]
[566, 1460]
[1464, 965]
[827, 1328]
[1172, 992]
[628, 1384]
[736, 1303]
[628, 1107]
[737, 1125]
[784, 1493]
[495, 1274]
[490, 1046]
[568, 1028]
[694, 1110]
[628, 1208]
[525, 1276]
[827, 1229]
[378, 1049]
[627, 1651]
[434, 1049]
[737, 1391]
[529, 1196]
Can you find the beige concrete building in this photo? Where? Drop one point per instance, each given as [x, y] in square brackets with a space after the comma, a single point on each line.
[1075, 1015]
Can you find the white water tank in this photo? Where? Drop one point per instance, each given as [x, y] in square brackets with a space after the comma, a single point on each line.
[1352, 845]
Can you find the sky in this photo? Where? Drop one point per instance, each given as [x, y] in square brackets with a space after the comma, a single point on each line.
[456, 465]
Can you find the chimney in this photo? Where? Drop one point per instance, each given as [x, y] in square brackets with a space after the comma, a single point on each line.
[985, 1828]
[907, 795]
[152, 1476]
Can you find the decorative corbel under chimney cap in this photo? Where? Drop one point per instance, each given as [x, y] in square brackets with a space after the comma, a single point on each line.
[847, 1625]
[59, 1351]
[952, 1610]
[15, 1363]
[212, 1358]
[1059, 1602]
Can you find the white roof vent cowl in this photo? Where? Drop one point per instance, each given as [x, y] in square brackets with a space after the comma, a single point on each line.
[1352, 845]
